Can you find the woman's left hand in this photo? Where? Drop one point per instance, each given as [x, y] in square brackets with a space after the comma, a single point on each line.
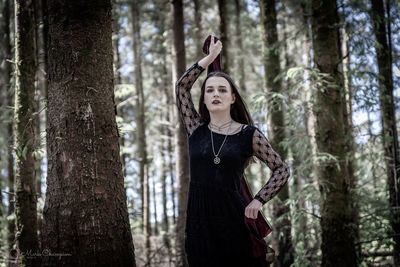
[252, 209]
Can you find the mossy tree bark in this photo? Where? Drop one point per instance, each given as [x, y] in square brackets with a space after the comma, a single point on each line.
[85, 214]
[338, 248]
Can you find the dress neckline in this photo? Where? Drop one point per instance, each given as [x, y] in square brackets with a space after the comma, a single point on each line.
[241, 129]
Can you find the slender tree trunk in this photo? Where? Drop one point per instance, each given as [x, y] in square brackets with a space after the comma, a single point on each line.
[182, 157]
[338, 248]
[6, 86]
[25, 201]
[223, 29]
[389, 132]
[293, 23]
[164, 174]
[172, 117]
[274, 85]
[140, 124]
[198, 28]
[163, 81]
[348, 128]
[155, 229]
[240, 56]
[85, 214]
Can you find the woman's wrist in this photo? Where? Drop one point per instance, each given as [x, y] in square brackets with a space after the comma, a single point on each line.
[207, 60]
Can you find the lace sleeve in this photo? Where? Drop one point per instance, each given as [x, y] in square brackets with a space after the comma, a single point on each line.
[188, 113]
[263, 150]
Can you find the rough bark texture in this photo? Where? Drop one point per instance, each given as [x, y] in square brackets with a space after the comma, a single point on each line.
[182, 158]
[387, 105]
[25, 187]
[277, 131]
[85, 214]
[338, 235]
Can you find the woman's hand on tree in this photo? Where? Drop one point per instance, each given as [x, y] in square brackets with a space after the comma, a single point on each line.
[252, 209]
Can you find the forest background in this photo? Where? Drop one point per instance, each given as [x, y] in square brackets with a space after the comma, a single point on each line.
[92, 151]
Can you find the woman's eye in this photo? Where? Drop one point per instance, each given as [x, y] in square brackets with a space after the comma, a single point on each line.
[223, 90]
[209, 90]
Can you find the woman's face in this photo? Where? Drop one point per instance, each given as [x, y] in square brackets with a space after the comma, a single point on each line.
[218, 94]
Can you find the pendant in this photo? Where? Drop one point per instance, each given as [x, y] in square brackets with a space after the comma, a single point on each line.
[217, 160]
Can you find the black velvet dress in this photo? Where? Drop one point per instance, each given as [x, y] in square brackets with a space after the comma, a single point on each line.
[216, 230]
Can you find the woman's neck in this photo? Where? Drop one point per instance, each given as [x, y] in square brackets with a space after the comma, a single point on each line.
[219, 118]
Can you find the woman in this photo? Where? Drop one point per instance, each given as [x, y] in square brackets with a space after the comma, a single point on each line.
[222, 227]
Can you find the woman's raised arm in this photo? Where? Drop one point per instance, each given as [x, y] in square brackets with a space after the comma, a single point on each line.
[189, 115]
[184, 101]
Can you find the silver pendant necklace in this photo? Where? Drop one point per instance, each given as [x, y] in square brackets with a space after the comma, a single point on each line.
[217, 159]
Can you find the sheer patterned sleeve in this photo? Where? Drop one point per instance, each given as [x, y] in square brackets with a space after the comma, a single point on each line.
[188, 113]
[263, 150]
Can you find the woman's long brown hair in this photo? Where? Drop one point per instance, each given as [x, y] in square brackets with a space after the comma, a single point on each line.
[239, 111]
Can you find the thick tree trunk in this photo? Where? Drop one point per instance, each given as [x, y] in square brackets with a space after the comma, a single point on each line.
[182, 158]
[85, 214]
[277, 133]
[25, 186]
[389, 132]
[338, 235]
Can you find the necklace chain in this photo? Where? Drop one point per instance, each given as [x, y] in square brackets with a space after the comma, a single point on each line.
[217, 160]
[220, 127]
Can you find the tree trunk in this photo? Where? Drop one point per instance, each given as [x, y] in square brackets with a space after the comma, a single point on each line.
[240, 56]
[338, 235]
[140, 125]
[348, 128]
[25, 186]
[6, 86]
[85, 214]
[162, 79]
[182, 158]
[223, 29]
[389, 132]
[155, 229]
[198, 28]
[277, 134]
